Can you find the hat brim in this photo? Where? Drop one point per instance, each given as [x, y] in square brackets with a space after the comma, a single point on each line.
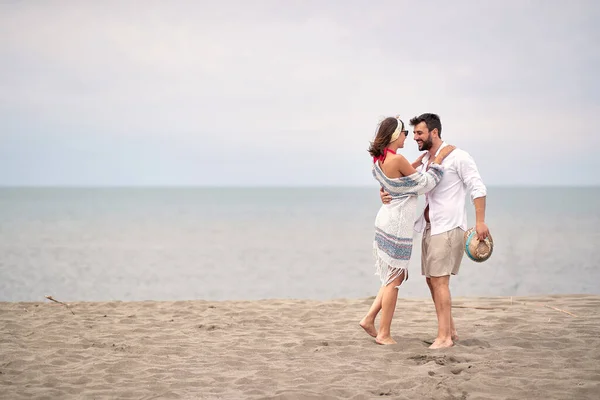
[478, 250]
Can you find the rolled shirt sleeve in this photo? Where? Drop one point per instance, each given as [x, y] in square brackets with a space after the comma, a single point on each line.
[468, 172]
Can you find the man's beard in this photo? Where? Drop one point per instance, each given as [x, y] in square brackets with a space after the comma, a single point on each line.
[427, 144]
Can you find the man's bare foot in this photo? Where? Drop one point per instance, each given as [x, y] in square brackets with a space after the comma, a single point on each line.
[454, 339]
[441, 344]
[385, 341]
[368, 326]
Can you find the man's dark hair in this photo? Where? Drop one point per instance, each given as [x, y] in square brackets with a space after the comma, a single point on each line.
[431, 120]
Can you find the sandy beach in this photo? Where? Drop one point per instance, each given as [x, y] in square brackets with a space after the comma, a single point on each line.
[519, 348]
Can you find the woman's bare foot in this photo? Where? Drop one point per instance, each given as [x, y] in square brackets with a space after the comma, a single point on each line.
[441, 344]
[368, 326]
[385, 340]
[454, 336]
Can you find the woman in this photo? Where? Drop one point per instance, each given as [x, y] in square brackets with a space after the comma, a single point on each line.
[392, 246]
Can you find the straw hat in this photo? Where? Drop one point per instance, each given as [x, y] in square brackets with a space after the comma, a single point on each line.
[477, 250]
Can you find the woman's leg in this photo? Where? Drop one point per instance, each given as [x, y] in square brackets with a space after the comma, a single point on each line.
[388, 306]
[368, 322]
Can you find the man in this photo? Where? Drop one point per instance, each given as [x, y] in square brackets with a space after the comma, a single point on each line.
[444, 219]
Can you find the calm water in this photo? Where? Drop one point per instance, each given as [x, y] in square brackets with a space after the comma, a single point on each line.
[217, 244]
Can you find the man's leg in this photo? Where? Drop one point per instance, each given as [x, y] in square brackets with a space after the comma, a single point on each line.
[430, 288]
[453, 331]
[428, 260]
[457, 242]
[441, 294]
[443, 255]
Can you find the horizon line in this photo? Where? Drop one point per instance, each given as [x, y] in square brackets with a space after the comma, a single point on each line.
[272, 186]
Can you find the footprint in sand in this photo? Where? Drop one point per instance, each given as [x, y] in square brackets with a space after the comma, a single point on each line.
[424, 359]
[474, 343]
[465, 342]
[438, 359]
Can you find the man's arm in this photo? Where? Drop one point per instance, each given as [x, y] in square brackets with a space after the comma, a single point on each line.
[479, 209]
[468, 172]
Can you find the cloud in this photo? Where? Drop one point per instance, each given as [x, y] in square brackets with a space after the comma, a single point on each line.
[241, 85]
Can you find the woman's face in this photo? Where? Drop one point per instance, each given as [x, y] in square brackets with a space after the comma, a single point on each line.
[401, 139]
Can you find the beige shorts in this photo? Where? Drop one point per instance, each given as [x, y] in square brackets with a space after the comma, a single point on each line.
[442, 254]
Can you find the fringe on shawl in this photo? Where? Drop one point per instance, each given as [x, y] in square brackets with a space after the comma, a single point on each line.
[387, 273]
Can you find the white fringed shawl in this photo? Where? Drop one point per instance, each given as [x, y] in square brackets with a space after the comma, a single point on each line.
[394, 223]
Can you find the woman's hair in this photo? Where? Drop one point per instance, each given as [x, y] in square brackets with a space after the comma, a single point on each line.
[384, 135]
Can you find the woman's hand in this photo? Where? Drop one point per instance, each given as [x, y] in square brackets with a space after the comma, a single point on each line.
[444, 153]
[417, 163]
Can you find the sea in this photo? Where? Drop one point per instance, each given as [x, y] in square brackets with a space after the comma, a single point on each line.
[133, 244]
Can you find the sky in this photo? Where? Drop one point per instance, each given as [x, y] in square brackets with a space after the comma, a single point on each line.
[289, 93]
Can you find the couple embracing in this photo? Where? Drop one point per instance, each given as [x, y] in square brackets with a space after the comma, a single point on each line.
[443, 174]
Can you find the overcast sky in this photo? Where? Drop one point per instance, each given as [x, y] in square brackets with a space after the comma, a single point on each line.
[290, 92]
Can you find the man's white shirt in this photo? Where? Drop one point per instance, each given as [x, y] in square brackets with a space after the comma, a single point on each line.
[447, 200]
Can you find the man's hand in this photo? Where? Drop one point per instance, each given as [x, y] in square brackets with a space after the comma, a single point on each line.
[385, 196]
[482, 230]
[480, 226]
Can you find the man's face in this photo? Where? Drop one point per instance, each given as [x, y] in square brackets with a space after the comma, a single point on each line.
[423, 136]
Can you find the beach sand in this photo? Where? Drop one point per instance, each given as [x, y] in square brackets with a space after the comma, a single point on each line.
[298, 349]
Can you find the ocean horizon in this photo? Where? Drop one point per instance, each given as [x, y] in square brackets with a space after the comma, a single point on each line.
[106, 243]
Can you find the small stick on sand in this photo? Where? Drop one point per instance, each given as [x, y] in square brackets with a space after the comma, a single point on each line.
[558, 309]
[480, 308]
[60, 302]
